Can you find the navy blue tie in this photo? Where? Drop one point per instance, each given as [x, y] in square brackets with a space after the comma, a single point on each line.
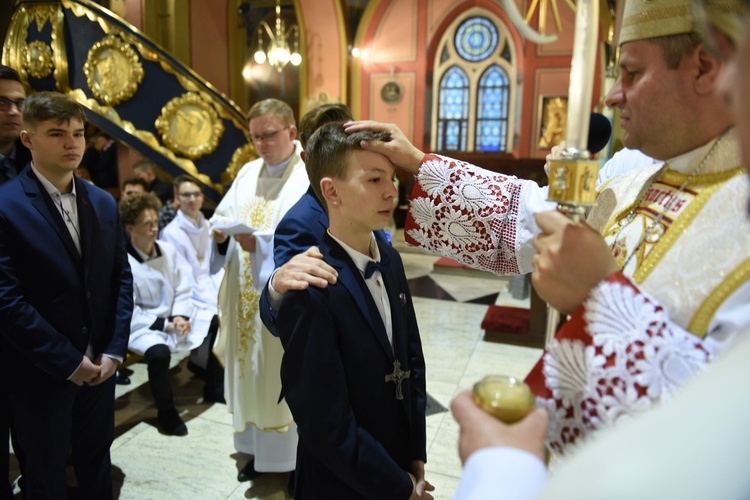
[373, 266]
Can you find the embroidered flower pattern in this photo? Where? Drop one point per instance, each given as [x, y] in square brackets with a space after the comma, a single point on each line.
[636, 356]
[466, 215]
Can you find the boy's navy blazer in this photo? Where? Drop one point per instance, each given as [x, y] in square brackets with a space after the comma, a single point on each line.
[302, 227]
[53, 300]
[356, 439]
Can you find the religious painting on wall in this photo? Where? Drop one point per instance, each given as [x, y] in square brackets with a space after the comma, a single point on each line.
[553, 117]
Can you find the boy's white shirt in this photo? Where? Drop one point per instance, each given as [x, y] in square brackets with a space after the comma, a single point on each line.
[375, 283]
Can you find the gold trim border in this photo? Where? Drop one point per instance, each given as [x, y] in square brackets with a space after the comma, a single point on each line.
[185, 76]
[146, 137]
[679, 226]
[702, 318]
[15, 41]
[242, 155]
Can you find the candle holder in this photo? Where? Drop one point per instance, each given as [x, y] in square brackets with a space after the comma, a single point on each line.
[506, 398]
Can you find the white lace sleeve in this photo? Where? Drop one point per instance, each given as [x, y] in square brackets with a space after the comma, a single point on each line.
[472, 215]
[629, 356]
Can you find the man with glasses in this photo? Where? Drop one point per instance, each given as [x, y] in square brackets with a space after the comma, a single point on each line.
[259, 197]
[13, 157]
[190, 235]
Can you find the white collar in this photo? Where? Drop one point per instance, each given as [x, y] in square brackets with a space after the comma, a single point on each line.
[360, 260]
[51, 189]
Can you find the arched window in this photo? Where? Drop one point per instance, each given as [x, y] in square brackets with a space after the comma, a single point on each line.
[473, 107]
[453, 120]
[492, 110]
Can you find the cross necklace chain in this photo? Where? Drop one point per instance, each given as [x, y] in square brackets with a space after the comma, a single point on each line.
[203, 242]
[650, 230]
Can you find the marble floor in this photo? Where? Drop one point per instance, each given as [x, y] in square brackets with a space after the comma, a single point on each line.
[450, 305]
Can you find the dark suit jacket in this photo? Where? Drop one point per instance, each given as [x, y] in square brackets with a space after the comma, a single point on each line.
[23, 156]
[303, 226]
[53, 301]
[104, 171]
[356, 440]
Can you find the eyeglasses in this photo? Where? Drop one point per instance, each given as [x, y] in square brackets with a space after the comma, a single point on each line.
[6, 104]
[194, 194]
[267, 136]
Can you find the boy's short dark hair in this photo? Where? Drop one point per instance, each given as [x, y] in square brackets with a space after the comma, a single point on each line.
[133, 180]
[8, 73]
[182, 179]
[317, 117]
[133, 207]
[328, 150]
[44, 106]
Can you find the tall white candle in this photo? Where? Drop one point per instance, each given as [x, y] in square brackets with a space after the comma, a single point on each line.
[585, 43]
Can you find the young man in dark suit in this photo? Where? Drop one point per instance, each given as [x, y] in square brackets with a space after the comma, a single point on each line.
[66, 299]
[13, 157]
[353, 369]
[301, 229]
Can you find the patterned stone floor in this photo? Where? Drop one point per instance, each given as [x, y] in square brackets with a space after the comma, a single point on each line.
[450, 305]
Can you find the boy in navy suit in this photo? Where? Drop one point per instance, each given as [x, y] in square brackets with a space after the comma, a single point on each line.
[353, 371]
[66, 297]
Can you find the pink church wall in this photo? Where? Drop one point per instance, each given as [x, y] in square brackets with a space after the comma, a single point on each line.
[134, 13]
[324, 50]
[395, 42]
[209, 42]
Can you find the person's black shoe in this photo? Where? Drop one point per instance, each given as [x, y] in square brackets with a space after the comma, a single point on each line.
[248, 472]
[290, 484]
[121, 378]
[171, 423]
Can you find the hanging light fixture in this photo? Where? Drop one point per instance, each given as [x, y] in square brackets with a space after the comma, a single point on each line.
[277, 51]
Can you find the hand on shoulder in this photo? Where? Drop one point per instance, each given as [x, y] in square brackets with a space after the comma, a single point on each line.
[302, 270]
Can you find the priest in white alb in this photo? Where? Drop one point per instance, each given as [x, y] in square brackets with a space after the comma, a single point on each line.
[259, 197]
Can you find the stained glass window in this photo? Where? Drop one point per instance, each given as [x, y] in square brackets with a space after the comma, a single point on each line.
[453, 110]
[492, 110]
[474, 87]
[476, 39]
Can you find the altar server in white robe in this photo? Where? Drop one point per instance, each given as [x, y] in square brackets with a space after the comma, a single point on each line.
[259, 197]
[191, 236]
[161, 322]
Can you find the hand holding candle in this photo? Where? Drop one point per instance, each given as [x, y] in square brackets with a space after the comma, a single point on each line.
[505, 398]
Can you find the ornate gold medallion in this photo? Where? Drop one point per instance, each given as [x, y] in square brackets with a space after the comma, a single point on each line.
[190, 126]
[37, 59]
[113, 70]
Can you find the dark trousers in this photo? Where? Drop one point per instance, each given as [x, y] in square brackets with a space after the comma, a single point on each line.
[6, 492]
[214, 370]
[66, 420]
[157, 359]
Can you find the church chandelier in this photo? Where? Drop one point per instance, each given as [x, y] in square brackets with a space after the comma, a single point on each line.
[277, 51]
